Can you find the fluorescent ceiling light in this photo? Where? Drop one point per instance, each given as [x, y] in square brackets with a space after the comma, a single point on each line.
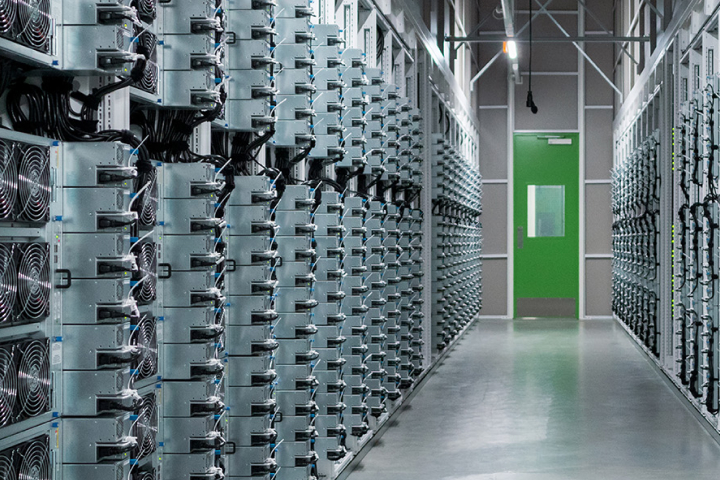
[512, 49]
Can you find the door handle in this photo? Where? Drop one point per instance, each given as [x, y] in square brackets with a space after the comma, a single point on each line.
[519, 238]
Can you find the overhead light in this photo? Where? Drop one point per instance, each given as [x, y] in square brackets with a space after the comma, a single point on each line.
[511, 49]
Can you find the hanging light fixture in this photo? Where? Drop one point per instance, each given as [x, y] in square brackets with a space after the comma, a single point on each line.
[530, 103]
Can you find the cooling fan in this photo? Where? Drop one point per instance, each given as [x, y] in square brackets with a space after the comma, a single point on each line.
[146, 259]
[33, 282]
[146, 339]
[146, 427]
[34, 24]
[144, 476]
[8, 282]
[146, 205]
[8, 172]
[7, 465]
[34, 379]
[8, 16]
[34, 184]
[147, 10]
[8, 388]
[35, 461]
[149, 81]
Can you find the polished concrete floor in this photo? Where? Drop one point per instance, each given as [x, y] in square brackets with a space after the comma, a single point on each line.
[543, 400]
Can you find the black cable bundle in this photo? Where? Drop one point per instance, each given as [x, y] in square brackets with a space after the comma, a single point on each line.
[229, 173]
[245, 150]
[168, 133]
[8, 71]
[48, 111]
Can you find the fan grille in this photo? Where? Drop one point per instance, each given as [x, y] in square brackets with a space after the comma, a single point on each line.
[147, 273]
[147, 341]
[147, 10]
[34, 282]
[35, 464]
[146, 205]
[34, 184]
[7, 467]
[144, 476]
[34, 24]
[8, 282]
[8, 15]
[8, 388]
[146, 427]
[149, 81]
[8, 173]
[34, 379]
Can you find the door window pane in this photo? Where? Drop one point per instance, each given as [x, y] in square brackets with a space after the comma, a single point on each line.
[546, 211]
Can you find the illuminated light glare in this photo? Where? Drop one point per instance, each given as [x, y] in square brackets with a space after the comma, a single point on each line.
[512, 49]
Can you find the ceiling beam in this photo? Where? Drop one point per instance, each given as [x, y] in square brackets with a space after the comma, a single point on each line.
[508, 17]
[587, 38]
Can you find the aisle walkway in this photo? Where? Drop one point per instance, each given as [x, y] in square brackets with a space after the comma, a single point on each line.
[544, 400]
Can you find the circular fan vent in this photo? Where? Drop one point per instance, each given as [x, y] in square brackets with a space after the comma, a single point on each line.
[146, 205]
[8, 172]
[8, 282]
[147, 340]
[147, 266]
[34, 282]
[7, 469]
[8, 13]
[147, 10]
[145, 476]
[149, 81]
[35, 463]
[146, 427]
[8, 389]
[35, 23]
[34, 184]
[34, 380]
[148, 40]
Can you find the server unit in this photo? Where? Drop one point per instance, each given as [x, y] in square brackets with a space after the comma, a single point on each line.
[220, 230]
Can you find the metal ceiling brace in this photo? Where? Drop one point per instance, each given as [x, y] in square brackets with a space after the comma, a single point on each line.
[477, 27]
[636, 19]
[582, 52]
[653, 8]
[484, 69]
[587, 38]
[600, 24]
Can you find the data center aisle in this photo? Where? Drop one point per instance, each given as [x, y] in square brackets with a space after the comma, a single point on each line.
[544, 400]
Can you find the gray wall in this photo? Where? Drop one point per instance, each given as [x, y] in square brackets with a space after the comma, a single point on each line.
[571, 96]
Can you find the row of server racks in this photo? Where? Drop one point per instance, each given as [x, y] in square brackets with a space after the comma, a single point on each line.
[666, 214]
[234, 235]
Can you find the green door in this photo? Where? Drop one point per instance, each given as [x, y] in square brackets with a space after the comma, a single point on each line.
[546, 224]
